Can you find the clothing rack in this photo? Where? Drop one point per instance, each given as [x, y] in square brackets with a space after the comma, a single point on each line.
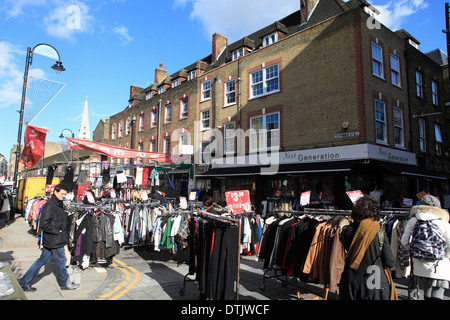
[228, 219]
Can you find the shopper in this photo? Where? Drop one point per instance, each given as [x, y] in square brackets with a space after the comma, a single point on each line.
[368, 255]
[54, 224]
[434, 274]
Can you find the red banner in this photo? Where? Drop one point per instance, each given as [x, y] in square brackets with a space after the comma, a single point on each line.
[33, 149]
[116, 152]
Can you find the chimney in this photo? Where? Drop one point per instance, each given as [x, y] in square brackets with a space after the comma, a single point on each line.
[160, 74]
[219, 43]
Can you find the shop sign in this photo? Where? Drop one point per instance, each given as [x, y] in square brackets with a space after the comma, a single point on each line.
[354, 195]
[304, 198]
[238, 201]
[49, 187]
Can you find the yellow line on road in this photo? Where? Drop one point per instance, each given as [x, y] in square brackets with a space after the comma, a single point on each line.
[124, 268]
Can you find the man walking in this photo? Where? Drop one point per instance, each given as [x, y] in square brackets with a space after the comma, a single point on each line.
[53, 222]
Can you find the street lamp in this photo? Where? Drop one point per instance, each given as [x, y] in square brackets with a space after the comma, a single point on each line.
[50, 52]
[62, 137]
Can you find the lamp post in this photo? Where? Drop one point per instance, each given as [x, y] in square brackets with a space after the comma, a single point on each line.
[62, 137]
[48, 51]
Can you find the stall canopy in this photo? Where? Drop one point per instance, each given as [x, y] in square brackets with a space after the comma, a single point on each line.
[117, 152]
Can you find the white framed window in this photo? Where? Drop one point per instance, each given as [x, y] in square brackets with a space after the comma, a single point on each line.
[264, 81]
[148, 95]
[175, 83]
[230, 92]
[395, 71]
[183, 141]
[205, 120]
[152, 146]
[161, 89]
[270, 39]
[128, 127]
[238, 53]
[380, 121]
[141, 122]
[422, 135]
[167, 144]
[120, 129]
[438, 136]
[419, 84]
[168, 113]
[229, 137]
[377, 60]
[205, 156]
[434, 93]
[399, 138]
[154, 117]
[184, 108]
[114, 131]
[192, 74]
[206, 90]
[265, 132]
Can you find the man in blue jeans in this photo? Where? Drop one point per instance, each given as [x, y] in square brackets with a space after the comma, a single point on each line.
[55, 227]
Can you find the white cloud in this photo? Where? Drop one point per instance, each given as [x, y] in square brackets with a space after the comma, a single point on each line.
[15, 8]
[122, 32]
[394, 13]
[236, 18]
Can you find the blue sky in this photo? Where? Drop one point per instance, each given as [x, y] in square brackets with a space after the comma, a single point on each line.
[108, 45]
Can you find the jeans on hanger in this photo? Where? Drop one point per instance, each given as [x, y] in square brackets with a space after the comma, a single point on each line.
[60, 261]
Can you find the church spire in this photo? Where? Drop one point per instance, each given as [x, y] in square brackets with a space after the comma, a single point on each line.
[84, 128]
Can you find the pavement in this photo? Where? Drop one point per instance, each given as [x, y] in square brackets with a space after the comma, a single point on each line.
[139, 273]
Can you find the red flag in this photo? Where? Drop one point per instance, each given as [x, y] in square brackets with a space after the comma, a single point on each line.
[33, 149]
[116, 152]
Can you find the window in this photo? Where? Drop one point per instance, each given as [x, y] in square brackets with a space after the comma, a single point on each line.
[229, 137]
[120, 129]
[168, 113]
[238, 53]
[175, 83]
[419, 84]
[161, 89]
[140, 148]
[377, 61]
[265, 132]
[184, 108]
[141, 122]
[206, 90]
[395, 71]
[438, 136]
[128, 127]
[398, 128]
[167, 145]
[182, 142]
[192, 74]
[422, 135]
[152, 147]
[264, 81]
[154, 117]
[434, 92]
[380, 118]
[114, 131]
[206, 151]
[204, 120]
[230, 92]
[270, 39]
[148, 95]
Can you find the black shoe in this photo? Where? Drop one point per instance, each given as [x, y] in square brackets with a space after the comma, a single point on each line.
[28, 288]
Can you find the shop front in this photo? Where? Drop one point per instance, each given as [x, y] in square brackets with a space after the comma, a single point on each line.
[328, 173]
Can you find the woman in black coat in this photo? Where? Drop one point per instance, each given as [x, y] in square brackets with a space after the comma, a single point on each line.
[364, 276]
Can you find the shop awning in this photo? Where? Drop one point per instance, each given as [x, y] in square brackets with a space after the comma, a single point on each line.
[406, 169]
[318, 167]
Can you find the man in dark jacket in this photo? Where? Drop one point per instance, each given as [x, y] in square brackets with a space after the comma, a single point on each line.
[55, 227]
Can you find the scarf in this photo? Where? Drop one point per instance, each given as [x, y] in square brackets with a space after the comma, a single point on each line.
[367, 230]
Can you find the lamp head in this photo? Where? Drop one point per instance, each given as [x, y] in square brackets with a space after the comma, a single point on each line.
[58, 67]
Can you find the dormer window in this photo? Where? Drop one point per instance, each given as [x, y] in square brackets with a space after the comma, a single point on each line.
[192, 75]
[270, 39]
[161, 89]
[175, 83]
[148, 95]
[238, 53]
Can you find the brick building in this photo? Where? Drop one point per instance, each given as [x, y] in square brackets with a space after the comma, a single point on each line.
[326, 99]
